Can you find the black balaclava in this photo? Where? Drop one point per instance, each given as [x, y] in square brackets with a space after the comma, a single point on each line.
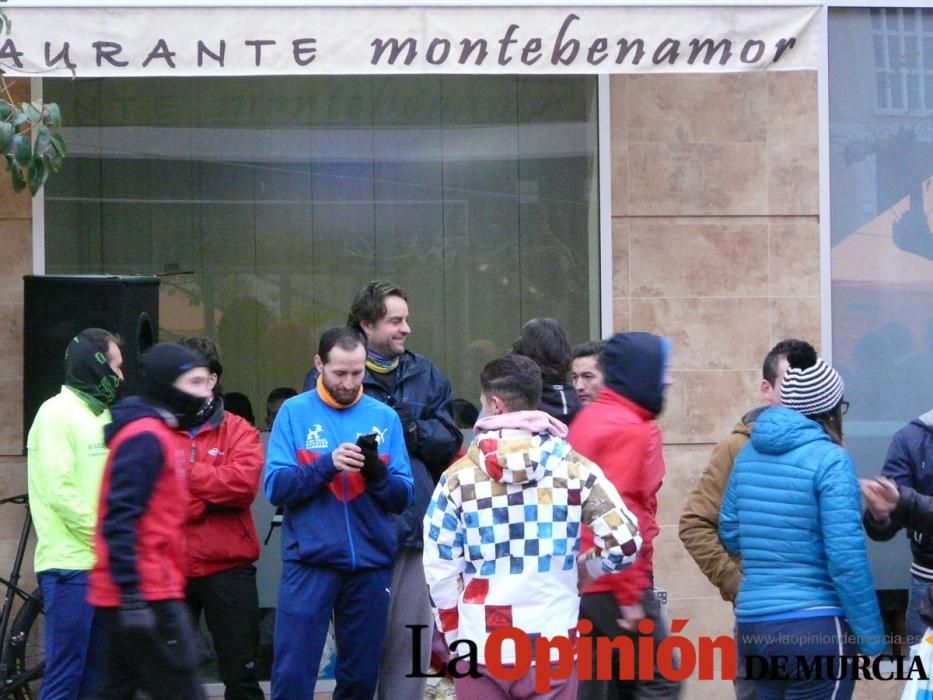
[88, 372]
[161, 366]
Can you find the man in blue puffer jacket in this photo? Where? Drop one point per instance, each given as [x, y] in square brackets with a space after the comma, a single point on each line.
[338, 539]
[792, 509]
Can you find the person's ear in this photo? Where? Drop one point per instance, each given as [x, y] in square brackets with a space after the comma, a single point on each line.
[212, 380]
[766, 390]
[318, 363]
[498, 405]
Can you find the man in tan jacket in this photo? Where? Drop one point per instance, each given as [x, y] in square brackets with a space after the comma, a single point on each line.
[699, 523]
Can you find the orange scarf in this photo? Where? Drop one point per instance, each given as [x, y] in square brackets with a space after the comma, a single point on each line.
[329, 400]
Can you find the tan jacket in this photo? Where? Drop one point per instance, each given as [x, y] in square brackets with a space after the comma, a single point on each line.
[699, 523]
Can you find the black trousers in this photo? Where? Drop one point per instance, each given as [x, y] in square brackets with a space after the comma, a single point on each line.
[230, 604]
[164, 664]
[603, 611]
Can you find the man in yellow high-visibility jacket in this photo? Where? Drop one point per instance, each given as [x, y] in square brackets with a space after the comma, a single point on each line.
[65, 462]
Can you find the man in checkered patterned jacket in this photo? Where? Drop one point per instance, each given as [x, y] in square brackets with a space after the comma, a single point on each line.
[502, 531]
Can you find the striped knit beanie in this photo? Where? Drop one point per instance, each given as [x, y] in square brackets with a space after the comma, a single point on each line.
[812, 391]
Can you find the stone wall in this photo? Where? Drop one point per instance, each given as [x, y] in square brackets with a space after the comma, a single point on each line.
[715, 203]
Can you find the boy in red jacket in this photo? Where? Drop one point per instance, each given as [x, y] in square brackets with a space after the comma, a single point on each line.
[138, 580]
[618, 432]
[225, 461]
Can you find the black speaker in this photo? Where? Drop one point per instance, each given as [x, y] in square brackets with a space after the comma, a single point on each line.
[58, 307]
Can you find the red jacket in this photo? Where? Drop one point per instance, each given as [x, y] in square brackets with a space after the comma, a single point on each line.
[142, 510]
[623, 439]
[224, 461]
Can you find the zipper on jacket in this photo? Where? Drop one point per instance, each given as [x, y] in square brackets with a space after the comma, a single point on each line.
[194, 451]
[346, 517]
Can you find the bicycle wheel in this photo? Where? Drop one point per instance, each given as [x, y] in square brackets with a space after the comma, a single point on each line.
[25, 650]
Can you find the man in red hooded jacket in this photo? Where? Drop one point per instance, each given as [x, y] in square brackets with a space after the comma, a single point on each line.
[618, 432]
[225, 461]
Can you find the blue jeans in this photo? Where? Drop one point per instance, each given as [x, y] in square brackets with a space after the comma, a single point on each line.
[915, 626]
[71, 669]
[823, 637]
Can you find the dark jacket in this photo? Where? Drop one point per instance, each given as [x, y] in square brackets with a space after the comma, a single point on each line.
[560, 401]
[906, 464]
[915, 511]
[421, 387]
[143, 507]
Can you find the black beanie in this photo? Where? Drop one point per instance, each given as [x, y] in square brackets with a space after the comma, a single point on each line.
[161, 366]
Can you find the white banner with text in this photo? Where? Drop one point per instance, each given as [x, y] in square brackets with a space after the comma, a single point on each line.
[219, 41]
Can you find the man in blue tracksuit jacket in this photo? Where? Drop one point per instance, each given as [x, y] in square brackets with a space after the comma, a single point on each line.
[338, 539]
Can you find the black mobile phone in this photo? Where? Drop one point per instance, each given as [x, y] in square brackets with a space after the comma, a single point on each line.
[368, 442]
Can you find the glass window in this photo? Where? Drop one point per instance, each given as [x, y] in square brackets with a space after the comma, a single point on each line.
[264, 204]
[881, 194]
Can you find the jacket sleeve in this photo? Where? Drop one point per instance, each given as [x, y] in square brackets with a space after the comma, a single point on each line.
[136, 467]
[729, 517]
[443, 556]
[233, 482]
[51, 467]
[615, 528]
[699, 522]
[394, 492]
[914, 510]
[288, 483]
[899, 467]
[846, 556]
[439, 438]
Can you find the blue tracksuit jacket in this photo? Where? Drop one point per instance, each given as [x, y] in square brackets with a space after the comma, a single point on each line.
[331, 518]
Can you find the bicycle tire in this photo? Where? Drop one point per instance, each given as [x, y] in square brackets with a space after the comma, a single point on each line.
[25, 648]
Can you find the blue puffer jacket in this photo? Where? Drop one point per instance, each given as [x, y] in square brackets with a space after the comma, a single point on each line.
[792, 510]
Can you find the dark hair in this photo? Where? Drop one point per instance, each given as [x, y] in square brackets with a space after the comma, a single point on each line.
[280, 394]
[831, 422]
[593, 348]
[370, 303]
[238, 404]
[100, 339]
[515, 379]
[544, 341]
[465, 413]
[344, 337]
[208, 350]
[799, 354]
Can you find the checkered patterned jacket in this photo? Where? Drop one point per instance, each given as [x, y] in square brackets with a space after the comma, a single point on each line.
[502, 537]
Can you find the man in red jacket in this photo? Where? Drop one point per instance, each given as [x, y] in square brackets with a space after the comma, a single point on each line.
[138, 580]
[618, 432]
[225, 461]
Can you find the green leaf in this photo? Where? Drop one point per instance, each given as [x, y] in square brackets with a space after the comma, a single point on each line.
[53, 115]
[19, 179]
[31, 112]
[55, 159]
[6, 109]
[43, 141]
[58, 143]
[38, 174]
[22, 149]
[6, 136]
